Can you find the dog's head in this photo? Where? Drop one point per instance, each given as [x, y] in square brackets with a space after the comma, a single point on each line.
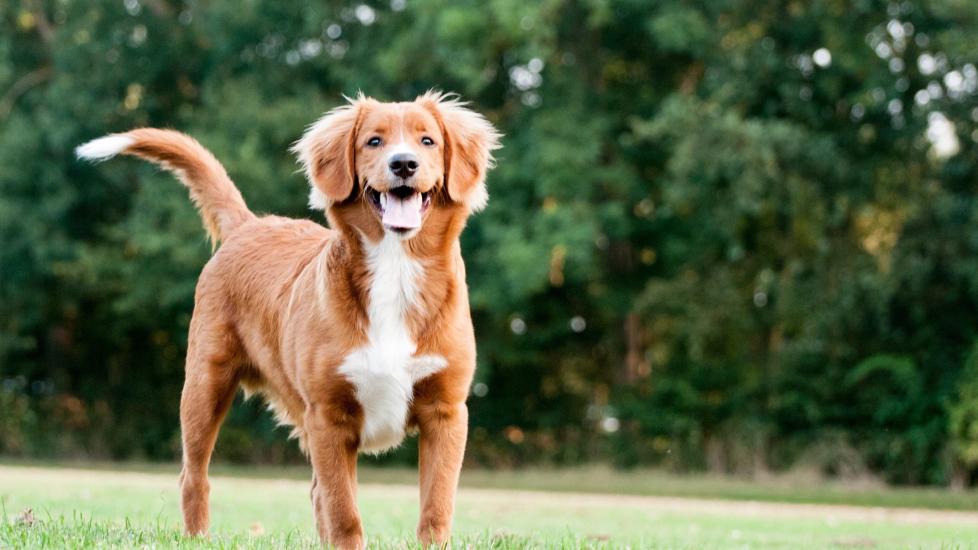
[384, 167]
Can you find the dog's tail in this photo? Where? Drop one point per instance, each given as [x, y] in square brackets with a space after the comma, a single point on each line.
[218, 200]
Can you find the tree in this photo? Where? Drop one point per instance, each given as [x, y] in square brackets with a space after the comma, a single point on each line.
[707, 216]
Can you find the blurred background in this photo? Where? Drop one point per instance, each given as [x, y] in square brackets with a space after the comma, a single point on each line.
[728, 236]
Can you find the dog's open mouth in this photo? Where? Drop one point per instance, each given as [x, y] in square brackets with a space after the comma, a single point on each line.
[400, 208]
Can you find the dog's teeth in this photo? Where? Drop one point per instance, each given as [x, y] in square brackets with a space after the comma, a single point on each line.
[383, 200]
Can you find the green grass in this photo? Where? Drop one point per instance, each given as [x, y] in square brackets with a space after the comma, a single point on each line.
[75, 508]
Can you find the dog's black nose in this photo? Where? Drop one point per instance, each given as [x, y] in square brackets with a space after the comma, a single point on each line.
[404, 165]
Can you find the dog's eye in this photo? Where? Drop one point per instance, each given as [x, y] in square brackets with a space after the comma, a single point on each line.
[427, 141]
[373, 142]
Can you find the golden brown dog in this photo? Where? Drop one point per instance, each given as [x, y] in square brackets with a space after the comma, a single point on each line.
[353, 334]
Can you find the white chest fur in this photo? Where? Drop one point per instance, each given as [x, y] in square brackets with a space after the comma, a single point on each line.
[384, 371]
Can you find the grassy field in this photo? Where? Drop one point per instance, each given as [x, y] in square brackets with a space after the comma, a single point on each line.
[269, 508]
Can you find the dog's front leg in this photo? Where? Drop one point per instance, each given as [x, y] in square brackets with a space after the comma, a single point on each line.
[443, 427]
[333, 442]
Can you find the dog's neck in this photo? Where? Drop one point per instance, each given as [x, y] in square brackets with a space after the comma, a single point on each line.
[419, 270]
[436, 244]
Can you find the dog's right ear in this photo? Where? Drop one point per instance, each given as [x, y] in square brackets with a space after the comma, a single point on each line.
[327, 153]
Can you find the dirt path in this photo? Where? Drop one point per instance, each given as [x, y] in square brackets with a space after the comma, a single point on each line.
[827, 512]
[737, 508]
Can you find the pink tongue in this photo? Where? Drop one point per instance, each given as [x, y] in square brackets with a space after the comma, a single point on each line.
[403, 213]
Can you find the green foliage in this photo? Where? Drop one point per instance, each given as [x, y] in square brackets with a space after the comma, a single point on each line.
[963, 414]
[896, 431]
[719, 236]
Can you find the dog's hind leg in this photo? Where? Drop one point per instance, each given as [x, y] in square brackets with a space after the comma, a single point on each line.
[213, 371]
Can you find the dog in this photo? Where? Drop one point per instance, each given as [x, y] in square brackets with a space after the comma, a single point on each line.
[355, 334]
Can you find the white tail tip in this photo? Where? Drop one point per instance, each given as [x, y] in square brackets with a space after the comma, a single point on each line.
[103, 148]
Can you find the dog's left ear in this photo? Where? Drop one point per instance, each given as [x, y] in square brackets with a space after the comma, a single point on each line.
[469, 140]
[327, 152]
